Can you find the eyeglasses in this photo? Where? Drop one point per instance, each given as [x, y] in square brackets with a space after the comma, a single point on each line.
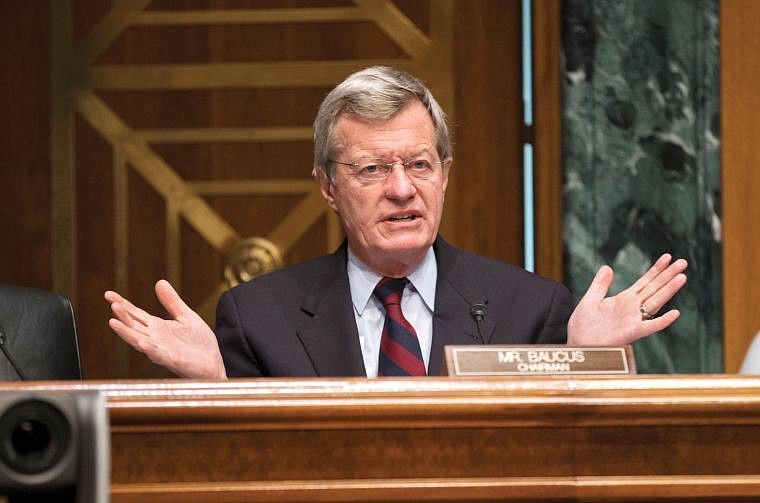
[368, 169]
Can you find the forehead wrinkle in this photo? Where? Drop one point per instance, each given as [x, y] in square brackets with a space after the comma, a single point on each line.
[412, 153]
[392, 147]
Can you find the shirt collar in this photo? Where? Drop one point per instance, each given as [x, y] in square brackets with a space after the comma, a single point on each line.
[362, 280]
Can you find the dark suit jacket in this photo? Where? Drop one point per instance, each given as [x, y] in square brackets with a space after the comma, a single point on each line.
[299, 321]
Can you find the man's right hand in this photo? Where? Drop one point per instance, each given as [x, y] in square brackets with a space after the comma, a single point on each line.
[183, 344]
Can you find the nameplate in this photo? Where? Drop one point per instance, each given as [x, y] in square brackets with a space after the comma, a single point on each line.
[508, 360]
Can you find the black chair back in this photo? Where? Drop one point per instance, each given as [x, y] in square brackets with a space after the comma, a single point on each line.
[38, 336]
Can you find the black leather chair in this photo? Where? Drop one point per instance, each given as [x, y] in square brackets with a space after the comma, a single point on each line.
[38, 336]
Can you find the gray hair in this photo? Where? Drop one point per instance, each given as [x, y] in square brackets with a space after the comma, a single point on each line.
[377, 94]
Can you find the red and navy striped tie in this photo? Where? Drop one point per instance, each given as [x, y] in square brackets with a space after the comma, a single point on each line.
[400, 353]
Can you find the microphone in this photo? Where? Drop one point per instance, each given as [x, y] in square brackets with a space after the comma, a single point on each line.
[8, 355]
[478, 312]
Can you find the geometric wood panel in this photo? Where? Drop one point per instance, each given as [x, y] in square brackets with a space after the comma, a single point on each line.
[75, 237]
[180, 129]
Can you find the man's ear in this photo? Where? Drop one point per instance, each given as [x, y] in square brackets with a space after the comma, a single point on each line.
[445, 173]
[326, 187]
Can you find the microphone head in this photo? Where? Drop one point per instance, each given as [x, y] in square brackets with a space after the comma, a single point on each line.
[478, 311]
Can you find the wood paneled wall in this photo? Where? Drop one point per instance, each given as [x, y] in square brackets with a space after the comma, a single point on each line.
[487, 171]
[487, 178]
[119, 211]
[547, 138]
[488, 132]
[740, 177]
[25, 226]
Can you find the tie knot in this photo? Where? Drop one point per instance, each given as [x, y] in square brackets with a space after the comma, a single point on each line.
[389, 290]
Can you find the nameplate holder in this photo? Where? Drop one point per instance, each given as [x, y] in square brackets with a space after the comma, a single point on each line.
[536, 360]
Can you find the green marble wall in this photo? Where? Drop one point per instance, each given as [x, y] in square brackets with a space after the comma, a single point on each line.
[641, 159]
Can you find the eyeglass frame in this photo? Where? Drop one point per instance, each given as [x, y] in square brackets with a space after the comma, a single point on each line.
[388, 167]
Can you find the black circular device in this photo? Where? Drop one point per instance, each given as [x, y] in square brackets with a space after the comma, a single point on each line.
[34, 436]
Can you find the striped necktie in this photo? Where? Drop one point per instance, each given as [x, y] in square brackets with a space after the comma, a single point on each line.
[400, 353]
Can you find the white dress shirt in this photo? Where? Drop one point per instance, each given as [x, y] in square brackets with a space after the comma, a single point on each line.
[417, 304]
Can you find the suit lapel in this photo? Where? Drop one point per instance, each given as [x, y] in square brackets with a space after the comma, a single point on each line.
[328, 328]
[456, 292]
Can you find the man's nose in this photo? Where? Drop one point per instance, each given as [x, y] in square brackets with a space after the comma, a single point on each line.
[399, 185]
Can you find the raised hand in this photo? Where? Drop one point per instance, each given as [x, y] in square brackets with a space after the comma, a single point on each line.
[183, 344]
[599, 320]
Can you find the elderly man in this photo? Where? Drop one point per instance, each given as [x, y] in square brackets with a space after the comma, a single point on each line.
[389, 299]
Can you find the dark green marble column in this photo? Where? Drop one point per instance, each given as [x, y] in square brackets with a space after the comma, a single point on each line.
[641, 160]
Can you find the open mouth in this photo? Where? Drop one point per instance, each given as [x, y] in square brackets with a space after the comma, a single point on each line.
[407, 218]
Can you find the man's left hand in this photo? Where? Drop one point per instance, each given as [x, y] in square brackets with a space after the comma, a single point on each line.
[599, 320]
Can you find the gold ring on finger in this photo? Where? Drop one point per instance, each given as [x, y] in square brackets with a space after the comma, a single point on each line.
[645, 315]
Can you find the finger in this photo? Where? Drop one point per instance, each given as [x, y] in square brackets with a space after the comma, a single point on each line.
[660, 265]
[138, 341]
[111, 296]
[664, 294]
[131, 336]
[170, 299]
[129, 314]
[663, 279]
[657, 324]
[600, 285]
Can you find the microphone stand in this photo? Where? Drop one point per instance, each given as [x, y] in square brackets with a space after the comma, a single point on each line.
[478, 312]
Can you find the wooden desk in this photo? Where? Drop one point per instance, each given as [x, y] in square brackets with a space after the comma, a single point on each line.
[685, 438]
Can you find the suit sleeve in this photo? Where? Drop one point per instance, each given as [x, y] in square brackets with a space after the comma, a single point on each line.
[560, 308]
[239, 359]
